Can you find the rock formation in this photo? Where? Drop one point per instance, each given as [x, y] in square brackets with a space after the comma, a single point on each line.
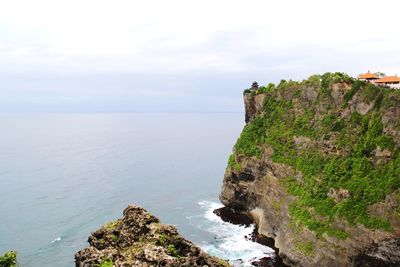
[139, 239]
[317, 166]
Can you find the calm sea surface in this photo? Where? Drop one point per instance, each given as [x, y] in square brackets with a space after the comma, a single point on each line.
[64, 175]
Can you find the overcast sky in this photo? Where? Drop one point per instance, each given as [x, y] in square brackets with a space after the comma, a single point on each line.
[113, 56]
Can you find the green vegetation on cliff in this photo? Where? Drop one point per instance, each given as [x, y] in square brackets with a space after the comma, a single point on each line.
[106, 262]
[339, 150]
[232, 162]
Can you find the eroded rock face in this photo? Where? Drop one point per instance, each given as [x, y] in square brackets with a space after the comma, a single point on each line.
[139, 239]
[253, 105]
[385, 253]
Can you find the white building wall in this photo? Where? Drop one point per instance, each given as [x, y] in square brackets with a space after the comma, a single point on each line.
[395, 86]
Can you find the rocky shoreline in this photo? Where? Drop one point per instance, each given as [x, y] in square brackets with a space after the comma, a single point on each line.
[139, 239]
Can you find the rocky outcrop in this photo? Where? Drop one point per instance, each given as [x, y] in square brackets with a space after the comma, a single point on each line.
[139, 239]
[385, 253]
[253, 105]
[257, 184]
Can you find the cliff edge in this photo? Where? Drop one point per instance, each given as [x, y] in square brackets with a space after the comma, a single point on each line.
[317, 166]
[139, 239]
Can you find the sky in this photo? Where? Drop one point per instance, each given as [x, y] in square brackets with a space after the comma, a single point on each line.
[181, 55]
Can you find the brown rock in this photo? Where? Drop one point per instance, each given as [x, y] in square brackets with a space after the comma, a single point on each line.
[253, 105]
[139, 239]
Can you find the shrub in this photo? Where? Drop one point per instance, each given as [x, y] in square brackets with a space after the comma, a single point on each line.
[246, 91]
[306, 248]
[106, 262]
[233, 163]
[173, 251]
[9, 259]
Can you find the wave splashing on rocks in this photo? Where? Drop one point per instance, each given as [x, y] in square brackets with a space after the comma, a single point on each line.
[233, 242]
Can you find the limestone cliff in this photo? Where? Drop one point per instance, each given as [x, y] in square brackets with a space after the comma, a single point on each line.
[139, 239]
[318, 168]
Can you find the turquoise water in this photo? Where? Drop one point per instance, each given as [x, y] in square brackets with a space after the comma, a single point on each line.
[64, 175]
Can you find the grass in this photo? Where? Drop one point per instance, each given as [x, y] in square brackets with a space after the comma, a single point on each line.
[222, 262]
[105, 262]
[173, 251]
[111, 225]
[305, 248]
[163, 238]
[232, 162]
[167, 242]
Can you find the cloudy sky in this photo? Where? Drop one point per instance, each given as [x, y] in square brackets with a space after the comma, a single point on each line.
[181, 55]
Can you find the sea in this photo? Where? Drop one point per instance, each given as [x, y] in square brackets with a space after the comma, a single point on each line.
[62, 176]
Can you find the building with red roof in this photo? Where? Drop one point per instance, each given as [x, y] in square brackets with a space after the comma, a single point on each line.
[369, 77]
[390, 81]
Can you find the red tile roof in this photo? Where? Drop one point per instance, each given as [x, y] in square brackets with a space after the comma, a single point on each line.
[368, 75]
[388, 79]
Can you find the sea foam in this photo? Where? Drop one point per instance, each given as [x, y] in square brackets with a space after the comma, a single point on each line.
[230, 240]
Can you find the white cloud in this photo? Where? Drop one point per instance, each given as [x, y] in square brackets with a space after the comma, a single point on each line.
[272, 39]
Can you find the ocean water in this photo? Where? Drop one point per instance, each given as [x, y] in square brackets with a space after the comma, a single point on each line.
[64, 175]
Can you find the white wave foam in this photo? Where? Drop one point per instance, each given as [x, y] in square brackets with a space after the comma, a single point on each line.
[58, 239]
[230, 242]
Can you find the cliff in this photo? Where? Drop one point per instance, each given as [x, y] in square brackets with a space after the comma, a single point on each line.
[317, 166]
[139, 239]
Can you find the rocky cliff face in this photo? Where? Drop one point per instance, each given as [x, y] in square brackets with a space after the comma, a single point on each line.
[317, 166]
[253, 105]
[139, 239]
